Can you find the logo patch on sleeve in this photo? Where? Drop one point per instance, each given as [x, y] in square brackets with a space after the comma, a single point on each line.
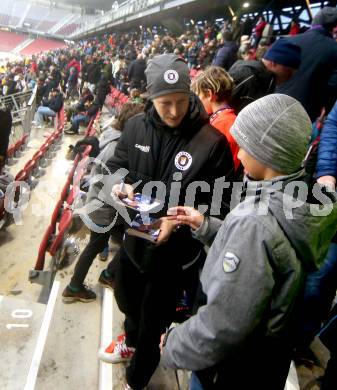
[230, 262]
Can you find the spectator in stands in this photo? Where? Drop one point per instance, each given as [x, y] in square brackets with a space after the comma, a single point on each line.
[5, 131]
[103, 216]
[107, 69]
[253, 285]
[74, 63]
[41, 91]
[91, 109]
[257, 31]
[10, 85]
[93, 73]
[136, 73]
[172, 129]
[103, 88]
[255, 79]
[227, 53]
[294, 27]
[72, 83]
[55, 74]
[214, 87]
[79, 106]
[49, 107]
[315, 82]
[192, 55]
[320, 289]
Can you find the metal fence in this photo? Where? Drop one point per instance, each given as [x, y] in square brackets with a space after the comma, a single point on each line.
[22, 106]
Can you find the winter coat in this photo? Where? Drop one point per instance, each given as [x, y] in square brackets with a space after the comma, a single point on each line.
[150, 151]
[5, 131]
[314, 84]
[136, 73]
[226, 55]
[55, 103]
[93, 73]
[103, 88]
[104, 214]
[253, 278]
[327, 150]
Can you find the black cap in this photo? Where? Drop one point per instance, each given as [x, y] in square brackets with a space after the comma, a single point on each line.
[167, 73]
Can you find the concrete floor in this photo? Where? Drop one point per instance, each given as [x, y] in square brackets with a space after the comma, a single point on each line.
[69, 360]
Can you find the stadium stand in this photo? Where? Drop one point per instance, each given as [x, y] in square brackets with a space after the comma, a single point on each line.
[68, 29]
[40, 45]
[9, 41]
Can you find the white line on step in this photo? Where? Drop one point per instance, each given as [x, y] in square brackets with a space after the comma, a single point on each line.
[292, 380]
[105, 369]
[41, 340]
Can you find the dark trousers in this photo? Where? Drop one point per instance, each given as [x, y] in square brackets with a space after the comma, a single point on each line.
[96, 244]
[148, 301]
[330, 377]
[320, 290]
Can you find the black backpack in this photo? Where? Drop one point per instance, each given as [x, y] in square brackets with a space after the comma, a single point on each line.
[252, 81]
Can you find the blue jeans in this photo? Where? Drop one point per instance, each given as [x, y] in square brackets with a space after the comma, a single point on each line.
[41, 112]
[320, 290]
[77, 120]
[195, 383]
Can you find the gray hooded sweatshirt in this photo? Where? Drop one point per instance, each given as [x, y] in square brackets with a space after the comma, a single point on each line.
[104, 214]
[253, 276]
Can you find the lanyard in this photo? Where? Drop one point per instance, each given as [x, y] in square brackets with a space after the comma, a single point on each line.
[219, 111]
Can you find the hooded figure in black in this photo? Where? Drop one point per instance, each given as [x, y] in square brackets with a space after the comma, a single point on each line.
[171, 143]
[5, 131]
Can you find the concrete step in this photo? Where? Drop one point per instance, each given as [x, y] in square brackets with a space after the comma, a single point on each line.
[24, 328]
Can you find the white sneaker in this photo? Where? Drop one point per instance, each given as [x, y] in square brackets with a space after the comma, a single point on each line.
[116, 352]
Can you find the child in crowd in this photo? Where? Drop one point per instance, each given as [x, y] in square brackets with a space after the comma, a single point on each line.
[253, 278]
[214, 87]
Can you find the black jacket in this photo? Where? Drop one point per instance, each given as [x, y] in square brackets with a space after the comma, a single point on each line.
[55, 103]
[93, 73]
[103, 88]
[315, 83]
[5, 131]
[149, 150]
[136, 73]
[93, 110]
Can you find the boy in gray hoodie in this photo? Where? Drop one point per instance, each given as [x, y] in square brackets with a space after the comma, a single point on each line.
[243, 336]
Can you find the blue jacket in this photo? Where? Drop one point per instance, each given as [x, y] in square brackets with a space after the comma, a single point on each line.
[226, 55]
[315, 82]
[327, 151]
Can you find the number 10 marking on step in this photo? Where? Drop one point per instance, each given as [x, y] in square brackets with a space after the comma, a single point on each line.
[22, 314]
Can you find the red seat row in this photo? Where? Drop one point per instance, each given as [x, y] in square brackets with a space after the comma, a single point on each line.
[19, 145]
[116, 99]
[32, 168]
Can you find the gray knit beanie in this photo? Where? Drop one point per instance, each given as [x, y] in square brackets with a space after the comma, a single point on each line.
[167, 73]
[275, 130]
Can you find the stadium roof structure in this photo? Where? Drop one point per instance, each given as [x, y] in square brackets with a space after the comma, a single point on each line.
[130, 13]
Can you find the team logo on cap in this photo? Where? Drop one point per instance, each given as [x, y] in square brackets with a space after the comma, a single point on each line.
[171, 76]
[183, 161]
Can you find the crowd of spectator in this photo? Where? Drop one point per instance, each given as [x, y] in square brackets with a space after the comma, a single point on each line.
[250, 109]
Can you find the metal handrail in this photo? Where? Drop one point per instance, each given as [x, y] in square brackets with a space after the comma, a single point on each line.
[22, 106]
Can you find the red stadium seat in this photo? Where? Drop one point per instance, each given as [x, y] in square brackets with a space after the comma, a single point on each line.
[44, 246]
[63, 226]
